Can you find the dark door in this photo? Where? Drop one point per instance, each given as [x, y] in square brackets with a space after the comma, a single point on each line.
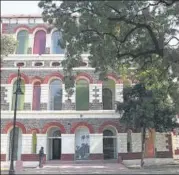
[56, 149]
[108, 148]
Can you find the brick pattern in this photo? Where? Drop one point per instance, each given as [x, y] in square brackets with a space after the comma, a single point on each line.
[67, 157]
[161, 142]
[4, 103]
[129, 156]
[122, 142]
[136, 142]
[31, 157]
[3, 157]
[43, 106]
[27, 106]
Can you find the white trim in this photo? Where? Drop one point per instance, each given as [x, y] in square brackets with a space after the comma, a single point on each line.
[16, 62]
[42, 57]
[59, 114]
[34, 62]
[46, 68]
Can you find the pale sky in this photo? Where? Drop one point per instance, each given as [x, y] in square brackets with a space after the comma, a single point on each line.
[20, 7]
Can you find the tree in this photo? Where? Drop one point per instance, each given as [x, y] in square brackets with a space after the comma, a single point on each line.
[8, 45]
[149, 104]
[113, 32]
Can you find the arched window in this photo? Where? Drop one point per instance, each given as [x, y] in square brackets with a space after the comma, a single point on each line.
[82, 95]
[56, 95]
[20, 98]
[34, 143]
[108, 94]
[56, 49]
[39, 42]
[129, 141]
[36, 96]
[23, 39]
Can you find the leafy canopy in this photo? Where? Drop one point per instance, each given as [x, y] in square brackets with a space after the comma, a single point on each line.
[137, 33]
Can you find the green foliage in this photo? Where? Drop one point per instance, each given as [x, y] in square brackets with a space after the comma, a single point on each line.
[117, 32]
[8, 45]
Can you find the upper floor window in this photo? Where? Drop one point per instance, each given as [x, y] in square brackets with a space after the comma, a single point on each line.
[56, 37]
[23, 39]
[108, 94]
[20, 98]
[55, 95]
[82, 95]
[36, 96]
[39, 42]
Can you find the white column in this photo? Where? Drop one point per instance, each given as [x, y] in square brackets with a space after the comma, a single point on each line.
[48, 40]
[92, 87]
[122, 142]
[26, 143]
[8, 93]
[31, 41]
[68, 143]
[28, 93]
[136, 142]
[96, 143]
[44, 93]
[4, 144]
[42, 142]
[161, 141]
[119, 92]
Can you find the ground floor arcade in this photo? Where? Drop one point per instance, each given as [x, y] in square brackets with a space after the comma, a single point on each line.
[82, 142]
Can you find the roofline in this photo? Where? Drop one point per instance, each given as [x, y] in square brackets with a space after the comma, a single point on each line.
[21, 16]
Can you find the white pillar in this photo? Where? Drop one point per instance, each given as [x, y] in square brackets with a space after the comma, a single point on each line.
[28, 93]
[31, 41]
[65, 97]
[48, 40]
[122, 142]
[136, 142]
[44, 93]
[119, 92]
[4, 143]
[42, 142]
[26, 143]
[92, 92]
[96, 143]
[68, 143]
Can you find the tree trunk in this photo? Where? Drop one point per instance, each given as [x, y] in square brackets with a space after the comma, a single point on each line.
[143, 146]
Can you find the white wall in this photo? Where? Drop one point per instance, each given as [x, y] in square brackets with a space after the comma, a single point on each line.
[119, 92]
[68, 143]
[122, 143]
[42, 141]
[136, 142]
[91, 88]
[96, 143]
[44, 93]
[161, 141]
[26, 143]
[28, 93]
[4, 143]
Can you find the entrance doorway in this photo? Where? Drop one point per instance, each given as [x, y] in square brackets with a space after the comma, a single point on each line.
[54, 144]
[109, 144]
[56, 149]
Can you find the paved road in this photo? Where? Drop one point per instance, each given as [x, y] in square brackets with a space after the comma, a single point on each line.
[99, 169]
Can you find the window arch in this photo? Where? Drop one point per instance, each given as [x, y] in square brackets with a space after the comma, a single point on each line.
[34, 142]
[56, 49]
[108, 94]
[36, 96]
[20, 97]
[82, 95]
[23, 39]
[39, 42]
[55, 95]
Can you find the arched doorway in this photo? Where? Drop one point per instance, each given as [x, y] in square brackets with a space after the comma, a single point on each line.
[82, 144]
[54, 144]
[17, 143]
[109, 144]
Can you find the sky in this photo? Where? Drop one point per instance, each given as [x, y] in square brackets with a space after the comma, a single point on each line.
[20, 7]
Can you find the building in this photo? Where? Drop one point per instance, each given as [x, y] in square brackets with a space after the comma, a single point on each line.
[81, 127]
